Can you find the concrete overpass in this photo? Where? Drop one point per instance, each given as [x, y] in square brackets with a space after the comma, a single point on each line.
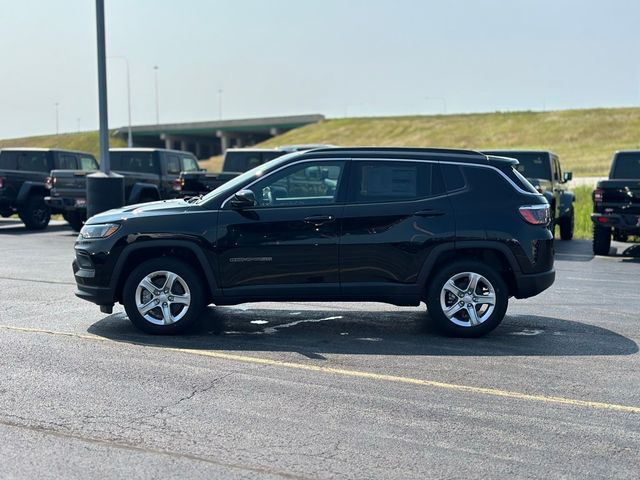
[206, 139]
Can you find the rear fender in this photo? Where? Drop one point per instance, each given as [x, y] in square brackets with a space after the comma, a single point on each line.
[31, 188]
[141, 190]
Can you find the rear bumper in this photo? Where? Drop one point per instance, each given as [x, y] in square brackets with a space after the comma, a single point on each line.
[627, 222]
[66, 204]
[528, 285]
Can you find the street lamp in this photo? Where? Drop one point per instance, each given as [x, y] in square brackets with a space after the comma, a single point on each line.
[126, 62]
[220, 91]
[155, 70]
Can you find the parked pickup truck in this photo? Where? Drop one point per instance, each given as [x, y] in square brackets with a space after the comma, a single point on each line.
[149, 173]
[236, 161]
[616, 202]
[542, 169]
[23, 181]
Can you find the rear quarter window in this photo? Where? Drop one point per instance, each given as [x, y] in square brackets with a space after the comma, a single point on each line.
[8, 160]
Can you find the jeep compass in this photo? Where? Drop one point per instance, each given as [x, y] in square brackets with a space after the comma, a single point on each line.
[459, 230]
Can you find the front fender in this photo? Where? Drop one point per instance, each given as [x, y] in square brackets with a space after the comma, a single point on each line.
[566, 203]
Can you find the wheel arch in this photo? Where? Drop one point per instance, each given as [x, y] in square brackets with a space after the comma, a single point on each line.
[134, 255]
[140, 190]
[492, 254]
[29, 188]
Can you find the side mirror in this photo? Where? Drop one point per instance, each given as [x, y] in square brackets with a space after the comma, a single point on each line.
[567, 176]
[243, 199]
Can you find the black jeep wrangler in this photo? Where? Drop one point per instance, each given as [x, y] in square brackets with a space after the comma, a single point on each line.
[456, 229]
[542, 169]
[24, 174]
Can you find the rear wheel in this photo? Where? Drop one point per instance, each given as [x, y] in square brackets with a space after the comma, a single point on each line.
[35, 213]
[163, 296]
[467, 299]
[566, 226]
[601, 240]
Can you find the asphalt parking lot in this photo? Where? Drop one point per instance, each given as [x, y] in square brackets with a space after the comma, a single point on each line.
[318, 390]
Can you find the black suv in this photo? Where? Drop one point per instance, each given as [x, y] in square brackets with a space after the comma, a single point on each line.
[456, 229]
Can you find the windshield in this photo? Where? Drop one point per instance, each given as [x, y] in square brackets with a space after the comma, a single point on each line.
[627, 165]
[232, 185]
[532, 164]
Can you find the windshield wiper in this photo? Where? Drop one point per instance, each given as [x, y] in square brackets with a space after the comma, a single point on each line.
[193, 199]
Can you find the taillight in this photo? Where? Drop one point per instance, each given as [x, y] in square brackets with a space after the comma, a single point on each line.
[49, 183]
[598, 195]
[536, 214]
[1, 182]
[178, 183]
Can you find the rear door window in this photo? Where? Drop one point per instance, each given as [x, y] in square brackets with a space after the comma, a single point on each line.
[627, 165]
[393, 181]
[33, 162]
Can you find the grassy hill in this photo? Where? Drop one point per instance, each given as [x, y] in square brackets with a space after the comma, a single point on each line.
[83, 141]
[584, 139]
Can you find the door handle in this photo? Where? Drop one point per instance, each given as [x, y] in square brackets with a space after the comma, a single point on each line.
[318, 220]
[429, 213]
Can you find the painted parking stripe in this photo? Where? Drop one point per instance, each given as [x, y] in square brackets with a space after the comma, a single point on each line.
[355, 373]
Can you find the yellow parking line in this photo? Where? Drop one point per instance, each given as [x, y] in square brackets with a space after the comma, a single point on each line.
[357, 373]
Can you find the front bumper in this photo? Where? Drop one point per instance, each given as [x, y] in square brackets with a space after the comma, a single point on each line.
[103, 296]
[529, 285]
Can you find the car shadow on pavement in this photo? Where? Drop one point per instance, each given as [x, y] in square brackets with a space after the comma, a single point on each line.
[581, 251]
[313, 333]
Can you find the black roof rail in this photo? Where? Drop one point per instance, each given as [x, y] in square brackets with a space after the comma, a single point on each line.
[405, 150]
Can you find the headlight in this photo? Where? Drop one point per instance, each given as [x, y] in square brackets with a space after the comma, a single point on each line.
[99, 231]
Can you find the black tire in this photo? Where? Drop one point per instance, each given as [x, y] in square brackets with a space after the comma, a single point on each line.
[35, 214]
[601, 240]
[147, 200]
[465, 328]
[186, 274]
[566, 226]
[75, 220]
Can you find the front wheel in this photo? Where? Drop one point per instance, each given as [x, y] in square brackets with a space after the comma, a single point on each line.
[467, 299]
[601, 240]
[163, 296]
[566, 226]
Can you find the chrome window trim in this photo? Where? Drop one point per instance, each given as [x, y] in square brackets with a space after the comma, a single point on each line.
[511, 182]
[307, 160]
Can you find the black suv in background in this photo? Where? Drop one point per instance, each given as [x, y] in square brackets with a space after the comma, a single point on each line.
[456, 229]
[149, 174]
[542, 169]
[23, 180]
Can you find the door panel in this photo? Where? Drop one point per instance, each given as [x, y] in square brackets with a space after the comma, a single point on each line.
[287, 245]
[384, 244]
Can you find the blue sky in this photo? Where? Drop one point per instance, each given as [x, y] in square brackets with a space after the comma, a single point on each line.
[336, 57]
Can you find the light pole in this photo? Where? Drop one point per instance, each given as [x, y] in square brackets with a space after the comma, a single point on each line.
[441, 99]
[126, 63]
[155, 70]
[57, 118]
[105, 189]
[220, 91]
